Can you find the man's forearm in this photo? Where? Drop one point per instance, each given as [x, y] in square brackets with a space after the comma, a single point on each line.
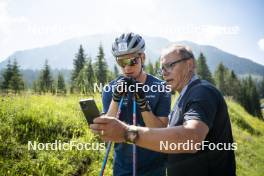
[113, 108]
[149, 118]
[152, 138]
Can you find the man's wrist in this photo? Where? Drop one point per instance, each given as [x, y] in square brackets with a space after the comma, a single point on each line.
[131, 134]
[145, 107]
[116, 98]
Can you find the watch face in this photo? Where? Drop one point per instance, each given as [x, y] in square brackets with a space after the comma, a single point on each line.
[132, 135]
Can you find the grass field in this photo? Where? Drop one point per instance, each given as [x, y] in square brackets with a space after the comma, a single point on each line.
[48, 118]
[45, 119]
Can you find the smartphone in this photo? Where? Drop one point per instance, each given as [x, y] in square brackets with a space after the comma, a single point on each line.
[89, 109]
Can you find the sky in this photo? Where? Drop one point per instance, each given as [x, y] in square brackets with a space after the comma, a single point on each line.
[235, 26]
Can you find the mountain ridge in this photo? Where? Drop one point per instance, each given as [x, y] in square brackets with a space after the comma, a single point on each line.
[61, 54]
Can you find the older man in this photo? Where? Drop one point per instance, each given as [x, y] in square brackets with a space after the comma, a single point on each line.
[199, 137]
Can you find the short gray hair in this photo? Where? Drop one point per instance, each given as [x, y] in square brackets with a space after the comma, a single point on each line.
[181, 50]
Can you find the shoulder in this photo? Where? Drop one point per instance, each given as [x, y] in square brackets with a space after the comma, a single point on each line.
[158, 86]
[204, 90]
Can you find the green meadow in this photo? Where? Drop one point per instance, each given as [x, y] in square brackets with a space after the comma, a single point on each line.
[47, 118]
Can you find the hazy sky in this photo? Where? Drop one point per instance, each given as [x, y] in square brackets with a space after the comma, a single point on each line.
[236, 26]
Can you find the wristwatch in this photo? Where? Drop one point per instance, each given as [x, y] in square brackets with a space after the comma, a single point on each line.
[131, 135]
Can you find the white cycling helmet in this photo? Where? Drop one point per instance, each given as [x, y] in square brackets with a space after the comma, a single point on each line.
[127, 44]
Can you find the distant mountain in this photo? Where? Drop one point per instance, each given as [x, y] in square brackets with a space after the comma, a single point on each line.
[61, 55]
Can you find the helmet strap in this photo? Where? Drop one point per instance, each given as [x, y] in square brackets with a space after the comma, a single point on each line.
[141, 70]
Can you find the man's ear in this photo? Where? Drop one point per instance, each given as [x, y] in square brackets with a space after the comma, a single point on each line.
[142, 55]
[191, 64]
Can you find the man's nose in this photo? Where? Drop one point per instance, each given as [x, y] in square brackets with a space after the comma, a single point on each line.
[127, 67]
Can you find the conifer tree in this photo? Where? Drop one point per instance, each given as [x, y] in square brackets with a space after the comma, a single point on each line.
[233, 85]
[116, 71]
[12, 78]
[45, 79]
[150, 68]
[220, 78]
[86, 78]
[90, 75]
[202, 69]
[61, 86]
[16, 82]
[7, 75]
[101, 67]
[78, 64]
[261, 88]
[156, 69]
[249, 98]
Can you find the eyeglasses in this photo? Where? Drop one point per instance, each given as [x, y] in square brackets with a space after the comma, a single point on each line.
[169, 66]
[127, 61]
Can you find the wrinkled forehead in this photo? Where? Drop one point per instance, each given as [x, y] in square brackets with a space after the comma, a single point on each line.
[167, 57]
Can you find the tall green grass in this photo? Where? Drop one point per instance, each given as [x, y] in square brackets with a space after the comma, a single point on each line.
[47, 118]
[248, 132]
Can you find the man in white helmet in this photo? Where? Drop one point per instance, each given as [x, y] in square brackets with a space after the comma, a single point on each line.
[152, 107]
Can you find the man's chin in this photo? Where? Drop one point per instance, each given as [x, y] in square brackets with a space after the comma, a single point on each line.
[172, 86]
[169, 83]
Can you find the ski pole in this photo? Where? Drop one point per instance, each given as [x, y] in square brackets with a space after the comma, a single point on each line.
[134, 146]
[110, 143]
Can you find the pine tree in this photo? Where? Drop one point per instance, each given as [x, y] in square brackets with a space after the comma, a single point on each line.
[255, 98]
[35, 86]
[61, 87]
[53, 88]
[81, 81]
[12, 78]
[16, 83]
[220, 78]
[156, 69]
[7, 75]
[90, 75]
[233, 85]
[78, 64]
[260, 88]
[86, 78]
[250, 98]
[116, 71]
[150, 68]
[101, 67]
[202, 69]
[45, 79]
